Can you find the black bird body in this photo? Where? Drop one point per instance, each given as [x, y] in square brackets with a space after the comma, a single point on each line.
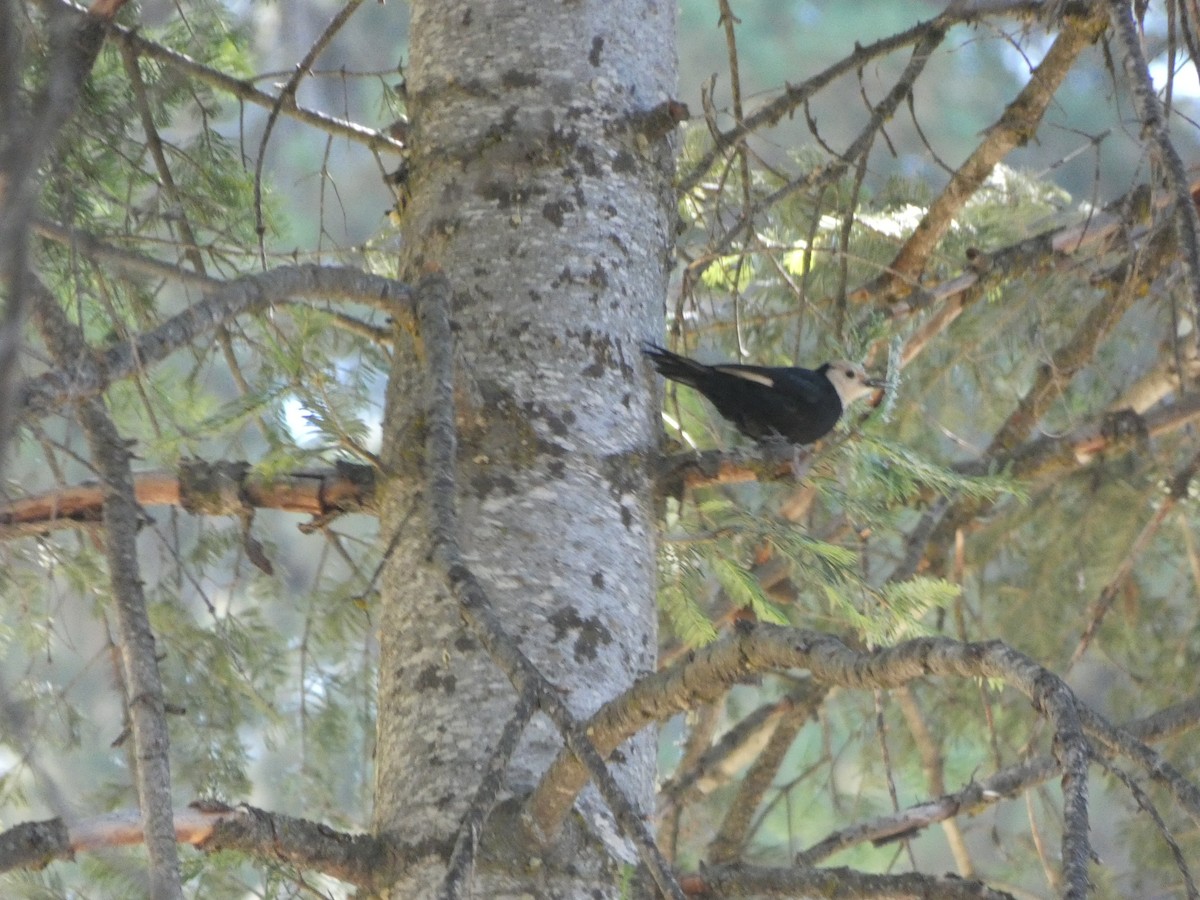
[770, 403]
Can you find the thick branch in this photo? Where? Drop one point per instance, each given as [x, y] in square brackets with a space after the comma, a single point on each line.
[742, 880]
[355, 858]
[1039, 458]
[360, 859]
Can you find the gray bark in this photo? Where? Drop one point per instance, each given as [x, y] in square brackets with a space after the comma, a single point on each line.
[540, 192]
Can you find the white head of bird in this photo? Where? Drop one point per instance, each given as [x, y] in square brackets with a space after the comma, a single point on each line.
[850, 380]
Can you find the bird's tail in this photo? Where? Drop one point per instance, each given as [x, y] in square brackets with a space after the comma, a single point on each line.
[676, 367]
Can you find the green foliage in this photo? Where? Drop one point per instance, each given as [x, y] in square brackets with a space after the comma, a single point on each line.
[745, 591]
[679, 587]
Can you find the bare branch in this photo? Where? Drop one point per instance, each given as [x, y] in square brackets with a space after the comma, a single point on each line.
[243, 90]
[287, 96]
[1014, 128]
[795, 96]
[741, 880]
[90, 375]
[1154, 126]
[353, 858]
[122, 520]
[201, 488]
[880, 114]
[360, 859]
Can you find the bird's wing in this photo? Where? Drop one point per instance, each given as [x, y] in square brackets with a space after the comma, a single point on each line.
[801, 384]
[748, 373]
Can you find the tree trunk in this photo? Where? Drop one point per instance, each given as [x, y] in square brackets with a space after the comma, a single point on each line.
[540, 190]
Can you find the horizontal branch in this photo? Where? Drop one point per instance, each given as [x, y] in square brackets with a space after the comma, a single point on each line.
[353, 858]
[755, 649]
[121, 359]
[745, 880]
[211, 489]
[1037, 459]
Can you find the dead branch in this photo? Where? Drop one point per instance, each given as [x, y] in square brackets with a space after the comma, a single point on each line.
[201, 488]
[795, 96]
[741, 880]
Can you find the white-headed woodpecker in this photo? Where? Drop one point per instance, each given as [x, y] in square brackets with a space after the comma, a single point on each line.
[771, 404]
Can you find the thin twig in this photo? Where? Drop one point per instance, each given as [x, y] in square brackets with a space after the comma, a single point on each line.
[735, 828]
[795, 96]
[831, 172]
[242, 89]
[287, 96]
[1178, 491]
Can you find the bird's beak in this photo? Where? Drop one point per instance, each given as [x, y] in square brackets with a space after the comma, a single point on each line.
[875, 382]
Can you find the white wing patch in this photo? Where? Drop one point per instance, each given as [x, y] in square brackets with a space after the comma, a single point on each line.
[747, 375]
